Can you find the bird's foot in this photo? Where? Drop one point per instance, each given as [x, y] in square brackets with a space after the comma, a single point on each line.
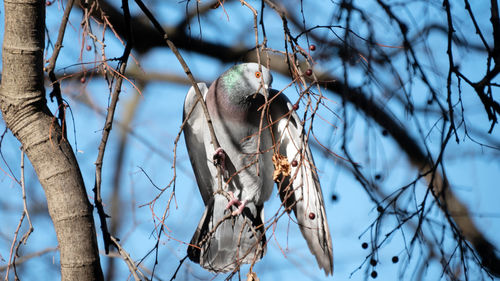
[237, 202]
[219, 159]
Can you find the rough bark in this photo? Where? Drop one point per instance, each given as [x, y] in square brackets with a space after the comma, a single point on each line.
[24, 109]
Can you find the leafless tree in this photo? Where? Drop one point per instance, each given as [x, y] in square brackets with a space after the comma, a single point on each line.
[416, 73]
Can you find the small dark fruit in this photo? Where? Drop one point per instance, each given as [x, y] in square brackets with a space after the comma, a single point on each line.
[380, 209]
[374, 274]
[82, 80]
[312, 47]
[334, 197]
[295, 106]
[89, 47]
[309, 72]
[295, 163]
[378, 176]
[373, 262]
[395, 259]
[48, 3]
[364, 245]
[312, 216]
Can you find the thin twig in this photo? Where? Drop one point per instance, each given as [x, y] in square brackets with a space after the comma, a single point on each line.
[200, 100]
[128, 260]
[185, 67]
[28, 257]
[178, 267]
[26, 235]
[13, 253]
[56, 92]
[107, 129]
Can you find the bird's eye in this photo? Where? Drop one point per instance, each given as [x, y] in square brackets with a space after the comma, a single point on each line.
[258, 74]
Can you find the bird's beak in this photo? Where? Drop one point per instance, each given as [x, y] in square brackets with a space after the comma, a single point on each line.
[265, 90]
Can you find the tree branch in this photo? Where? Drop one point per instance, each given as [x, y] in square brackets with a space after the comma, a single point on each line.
[25, 112]
[107, 129]
[449, 203]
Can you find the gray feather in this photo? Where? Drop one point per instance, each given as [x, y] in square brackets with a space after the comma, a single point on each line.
[223, 242]
[194, 134]
[301, 191]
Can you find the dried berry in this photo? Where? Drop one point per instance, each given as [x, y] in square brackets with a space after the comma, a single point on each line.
[312, 47]
[89, 47]
[364, 245]
[312, 216]
[374, 274]
[295, 163]
[334, 197]
[373, 262]
[309, 72]
[395, 259]
[380, 209]
[82, 80]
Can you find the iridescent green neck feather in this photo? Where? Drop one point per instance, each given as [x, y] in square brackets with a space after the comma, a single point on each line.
[233, 77]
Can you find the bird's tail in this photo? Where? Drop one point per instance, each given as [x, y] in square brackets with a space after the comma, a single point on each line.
[223, 242]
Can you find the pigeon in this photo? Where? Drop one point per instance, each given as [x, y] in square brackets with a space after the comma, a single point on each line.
[262, 144]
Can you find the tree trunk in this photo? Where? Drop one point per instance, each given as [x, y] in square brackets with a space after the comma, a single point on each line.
[24, 109]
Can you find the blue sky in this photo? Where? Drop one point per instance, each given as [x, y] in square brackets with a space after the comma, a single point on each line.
[472, 170]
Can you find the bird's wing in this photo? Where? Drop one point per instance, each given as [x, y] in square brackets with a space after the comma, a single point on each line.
[195, 130]
[301, 191]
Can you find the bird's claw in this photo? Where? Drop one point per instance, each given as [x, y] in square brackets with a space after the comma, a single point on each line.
[237, 202]
[219, 159]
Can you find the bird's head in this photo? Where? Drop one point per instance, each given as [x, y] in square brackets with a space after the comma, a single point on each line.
[243, 82]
